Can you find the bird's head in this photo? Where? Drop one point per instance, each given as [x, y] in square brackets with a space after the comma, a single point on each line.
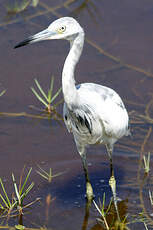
[63, 28]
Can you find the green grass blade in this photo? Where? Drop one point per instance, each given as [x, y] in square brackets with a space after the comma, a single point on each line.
[108, 208]
[103, 201]
[4, 201]
[148, 161]
[39, 98]
[19, 227]
[16, 188]
[42, 175]
[41, 90]
[27, 191]
[58, 174]
[50, 90]
[2, 92]
[9, 203]
[42, 170]
[24, 184]
[1, 206]
[151, 197]
[50, 172]
[56, 94]
[146, 226]
[34, 3]
[50, 175]
[13, 204]
[97, 207]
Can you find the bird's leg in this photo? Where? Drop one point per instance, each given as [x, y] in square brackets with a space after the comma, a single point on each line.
[82, 151]
[89, 190]
[86, 216]
[112, 180]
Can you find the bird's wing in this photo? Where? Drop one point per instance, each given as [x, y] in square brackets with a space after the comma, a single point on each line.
[107, 107]
[97, 111]
[115, 117]
[78, 118]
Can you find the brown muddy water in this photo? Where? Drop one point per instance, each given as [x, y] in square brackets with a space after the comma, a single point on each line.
[118, 53]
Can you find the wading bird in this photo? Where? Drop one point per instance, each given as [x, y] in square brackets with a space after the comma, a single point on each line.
[95, 114]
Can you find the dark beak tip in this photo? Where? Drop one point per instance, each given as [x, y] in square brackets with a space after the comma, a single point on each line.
[15, 47]
[20, 45]
[23, 43]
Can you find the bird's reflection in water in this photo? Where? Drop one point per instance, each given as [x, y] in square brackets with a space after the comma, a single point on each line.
[86, 216]
[111, 217]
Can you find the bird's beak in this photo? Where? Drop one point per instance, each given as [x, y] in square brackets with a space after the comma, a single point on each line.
[43, 35]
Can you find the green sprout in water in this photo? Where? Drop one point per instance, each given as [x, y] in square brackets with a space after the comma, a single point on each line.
[47, 99]
[20, 191]
[7, 205]
[17, 6]
[1, 93]
[107, 214]
[146, 163]
[146, 226]
[10, 207]
[47, 175]
[102, 211]
[151, 197]
[20, 5]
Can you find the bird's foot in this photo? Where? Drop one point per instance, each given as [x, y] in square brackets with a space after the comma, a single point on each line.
[89, 192]
[112, 183]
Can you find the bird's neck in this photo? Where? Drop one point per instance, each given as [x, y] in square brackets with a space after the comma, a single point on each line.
[68, 81]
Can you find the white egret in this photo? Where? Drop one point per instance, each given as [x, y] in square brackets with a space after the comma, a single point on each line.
[95, 114]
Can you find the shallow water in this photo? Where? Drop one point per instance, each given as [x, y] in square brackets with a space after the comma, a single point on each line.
[122, 29]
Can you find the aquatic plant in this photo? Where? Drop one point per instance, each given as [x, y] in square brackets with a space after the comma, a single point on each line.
[20, 190]
[102, 211]
[110, 219]
[14, 206]
[7, 205]
[19, 6]
[151, 197]
[47, 175]
[1, 93]
[146, 163]
[47, 98]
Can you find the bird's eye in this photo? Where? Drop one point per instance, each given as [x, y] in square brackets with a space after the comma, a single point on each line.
[62, 29]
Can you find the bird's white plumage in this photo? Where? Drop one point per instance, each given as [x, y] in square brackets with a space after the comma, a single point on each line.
[105, 111]
[93, 113]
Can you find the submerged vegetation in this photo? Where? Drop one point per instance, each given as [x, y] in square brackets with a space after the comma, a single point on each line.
[17, 6]
[1, 93]
[14, 206]
[17, 205]
[48, 98]
[47, 175]
[109, 220]
[50, 109]
[146, 163]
